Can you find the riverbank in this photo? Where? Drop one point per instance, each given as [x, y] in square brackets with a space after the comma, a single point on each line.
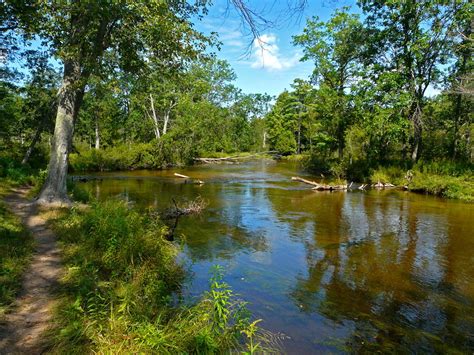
[121, 281]
[444, 179]
[430, 179]
[119, 290]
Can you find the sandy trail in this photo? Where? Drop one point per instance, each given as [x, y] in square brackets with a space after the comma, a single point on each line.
[22, 330]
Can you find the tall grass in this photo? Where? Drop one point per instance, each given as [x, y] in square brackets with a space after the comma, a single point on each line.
[121, 276]
[16, 246]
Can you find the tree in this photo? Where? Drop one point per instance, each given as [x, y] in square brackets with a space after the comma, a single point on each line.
[412, 38]
[282, 123]
[335, 49]
[40, 98]
[79, 33]
[461, 89]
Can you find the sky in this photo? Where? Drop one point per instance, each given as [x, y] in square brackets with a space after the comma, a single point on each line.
[273, 69]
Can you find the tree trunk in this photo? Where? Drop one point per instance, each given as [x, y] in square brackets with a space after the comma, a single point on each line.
[155, 118]
[70, 95]
[417, 134]
[166, 119]
[35, 139]
[457, 114]
[97, 133]
[340, 141]
[298, 151]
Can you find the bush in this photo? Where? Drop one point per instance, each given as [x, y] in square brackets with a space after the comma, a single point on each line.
[391, 174]
[155, 155]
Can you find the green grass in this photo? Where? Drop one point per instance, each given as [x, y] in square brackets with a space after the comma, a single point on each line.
[16, 246]
[117, 292]
[457, 187]
[445, 180]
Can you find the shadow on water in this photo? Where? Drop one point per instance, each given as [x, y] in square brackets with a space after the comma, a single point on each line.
[358, 271]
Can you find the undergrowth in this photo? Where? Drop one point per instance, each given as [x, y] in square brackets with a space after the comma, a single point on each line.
[16, 246]
[120, 281]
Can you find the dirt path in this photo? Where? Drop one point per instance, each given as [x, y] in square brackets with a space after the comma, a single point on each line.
[23, 329]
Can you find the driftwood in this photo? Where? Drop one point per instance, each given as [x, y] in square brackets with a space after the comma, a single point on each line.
[181, 176]
[191, 207]
[185, 208]
[380, 185]
[318, 186]
[194, 181]
[232, 159]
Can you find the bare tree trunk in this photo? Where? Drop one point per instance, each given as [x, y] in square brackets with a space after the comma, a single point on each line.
[97, 133]
[166, 119]
[417, 134]
[298, 151]
[155, 118]
[70, 95]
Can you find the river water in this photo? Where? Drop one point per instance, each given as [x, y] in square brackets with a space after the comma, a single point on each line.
[328, 271]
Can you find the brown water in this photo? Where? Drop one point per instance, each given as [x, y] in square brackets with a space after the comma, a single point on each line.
[334, 272]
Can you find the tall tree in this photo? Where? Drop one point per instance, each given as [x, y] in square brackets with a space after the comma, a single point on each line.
[79, 33]
[411, 37]
[334, 46]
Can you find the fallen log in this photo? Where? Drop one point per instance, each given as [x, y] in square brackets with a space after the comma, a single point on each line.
[233, 158]
[319, 187]
[181, 176]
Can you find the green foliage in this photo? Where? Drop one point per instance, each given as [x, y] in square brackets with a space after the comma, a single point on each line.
[155, 155]
[392, 174]
[461, 187]
[16, 246]
[121, 275]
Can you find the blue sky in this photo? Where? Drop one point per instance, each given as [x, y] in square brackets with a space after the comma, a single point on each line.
[273, 69]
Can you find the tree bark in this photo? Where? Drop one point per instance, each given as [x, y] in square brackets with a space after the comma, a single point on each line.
[167, 116]
[417, 133]
[97, 133]
[70, 96]
[298, 150]
[155, 118]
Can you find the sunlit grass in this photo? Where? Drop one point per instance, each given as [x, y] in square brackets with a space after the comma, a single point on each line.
[16, 246]
[117, 291]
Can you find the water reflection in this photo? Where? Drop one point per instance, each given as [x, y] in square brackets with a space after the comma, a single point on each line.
[362, 271]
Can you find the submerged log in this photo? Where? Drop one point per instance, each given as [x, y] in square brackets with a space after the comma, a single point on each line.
[319, 187]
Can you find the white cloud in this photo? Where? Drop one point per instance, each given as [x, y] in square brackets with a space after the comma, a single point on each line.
[266, 54]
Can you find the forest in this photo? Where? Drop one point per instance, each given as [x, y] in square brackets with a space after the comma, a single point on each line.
[106, 86]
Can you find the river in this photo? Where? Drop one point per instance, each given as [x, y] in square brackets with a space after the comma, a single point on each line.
[328, 271]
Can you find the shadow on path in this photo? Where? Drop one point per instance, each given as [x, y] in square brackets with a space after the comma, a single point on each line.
[22, 330]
